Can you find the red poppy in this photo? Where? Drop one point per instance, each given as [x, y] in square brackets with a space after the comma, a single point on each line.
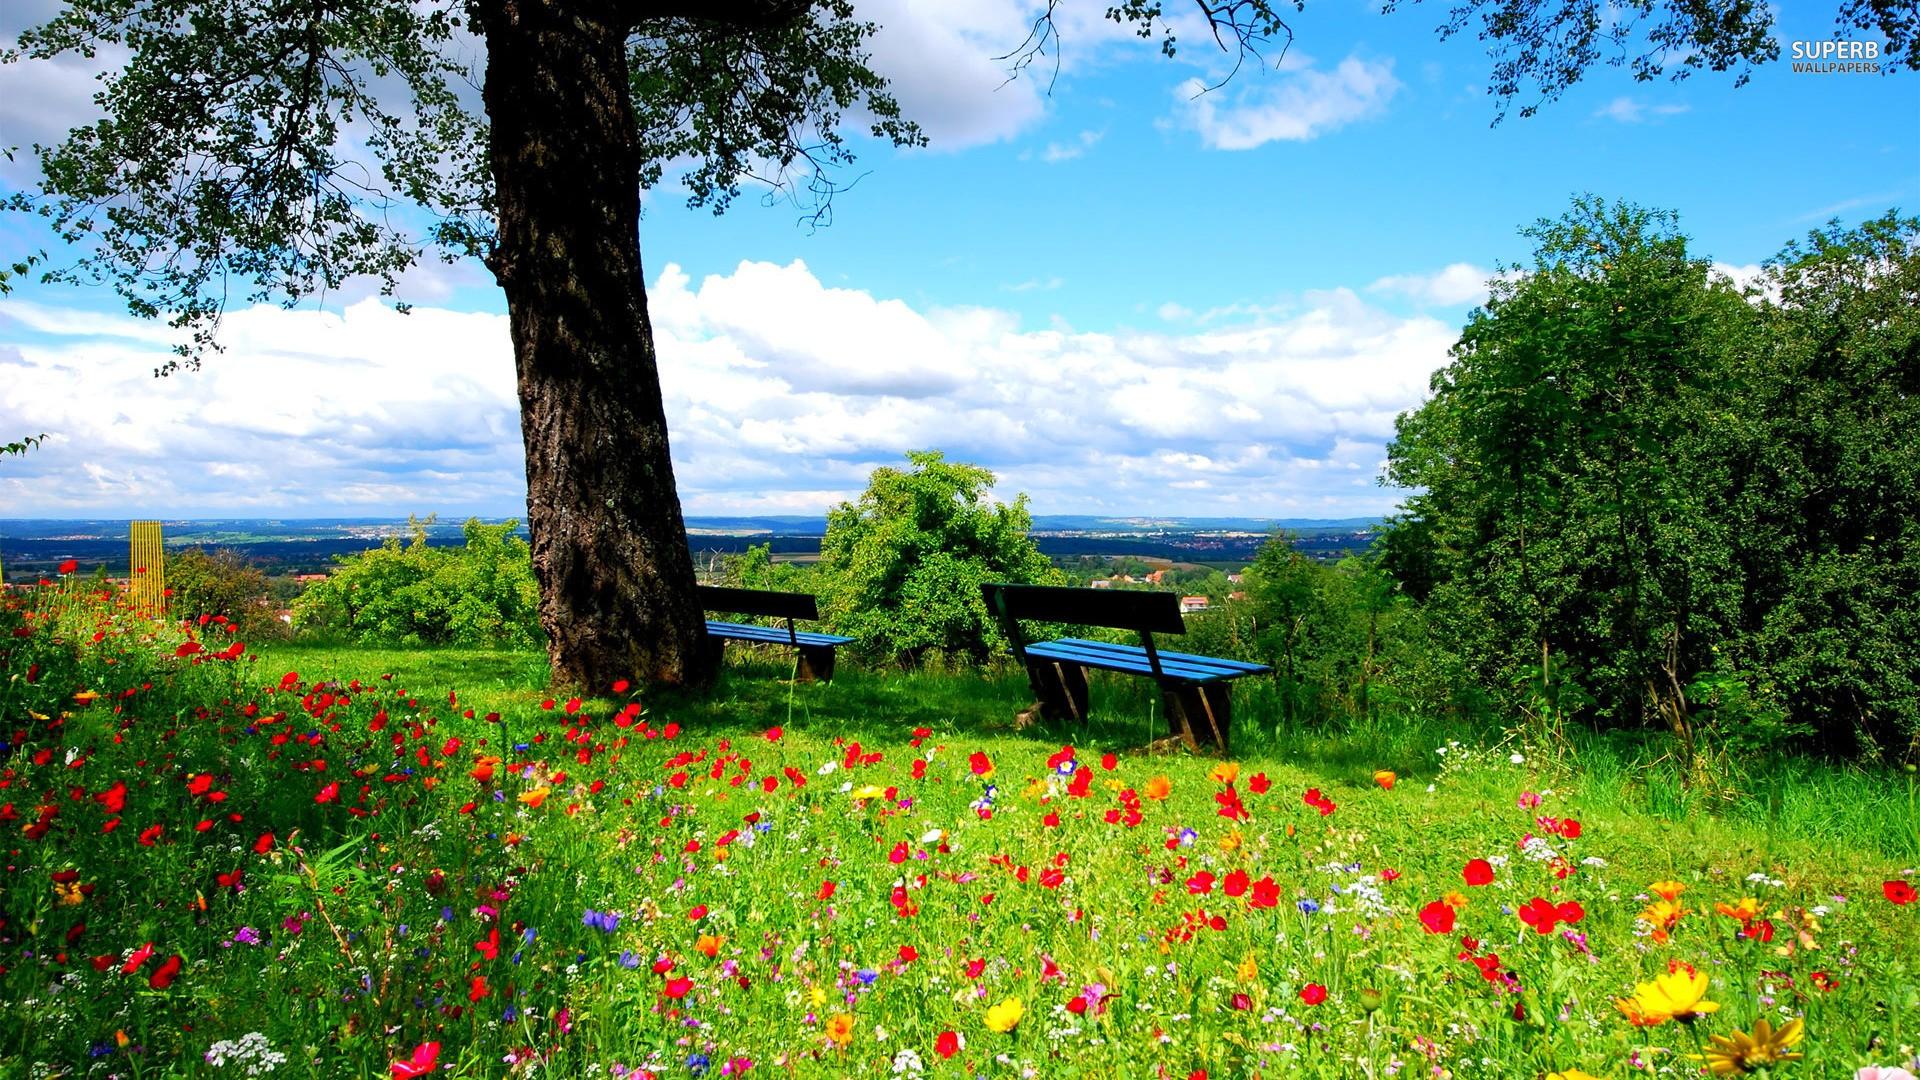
[188, 649]
[1313, 993]
[946, 1044]
[678, 988]
[1478, 872]
[164, 975]
[1237, 882]
[1200, 884]
[69, 566]
[1900, 892]
[979, 763]
[328, 794]
[1266, 893]
[1570, 829]
[150, 834]
[1438, 918]
[478, 988]
[425, 1059]
[1259, 784]
[1109, 762]
[140, 956]
[264, 844]
[489, 948]
[114, 798]
[826, 890]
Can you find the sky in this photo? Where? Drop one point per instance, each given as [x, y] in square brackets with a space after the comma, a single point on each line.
[1121, 294]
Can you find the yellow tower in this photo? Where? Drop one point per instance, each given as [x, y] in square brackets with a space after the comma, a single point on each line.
[148, 577]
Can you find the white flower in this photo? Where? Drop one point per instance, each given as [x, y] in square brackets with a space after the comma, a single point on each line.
[1517, 759]
[827, 768]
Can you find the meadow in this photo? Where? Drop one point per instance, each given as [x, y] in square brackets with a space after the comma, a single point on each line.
[342, 862]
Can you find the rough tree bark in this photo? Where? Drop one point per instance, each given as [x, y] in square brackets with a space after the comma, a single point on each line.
[609, 543]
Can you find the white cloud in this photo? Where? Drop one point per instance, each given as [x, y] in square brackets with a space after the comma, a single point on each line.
[1294, 106]
[1626, 110]
[1066, 151]
[1455, 284]
[783, 394]
[939, 62]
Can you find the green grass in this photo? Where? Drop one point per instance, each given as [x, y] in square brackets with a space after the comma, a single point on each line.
[357, 930]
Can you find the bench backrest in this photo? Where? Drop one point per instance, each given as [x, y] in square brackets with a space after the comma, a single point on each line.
[779, 605]
[1147, 612]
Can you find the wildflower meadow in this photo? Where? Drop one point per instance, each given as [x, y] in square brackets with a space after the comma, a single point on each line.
[224, 864]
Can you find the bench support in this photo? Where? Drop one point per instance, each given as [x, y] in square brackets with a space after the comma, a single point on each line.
[1200, 713]
[1061, 688]
[816, 662]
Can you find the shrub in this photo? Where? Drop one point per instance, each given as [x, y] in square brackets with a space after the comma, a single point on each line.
[480, 594]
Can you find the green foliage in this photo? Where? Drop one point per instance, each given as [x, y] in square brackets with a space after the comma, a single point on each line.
[901, 568]
[22, 445]
[1633, 476]
[210, 583]
[480, 594]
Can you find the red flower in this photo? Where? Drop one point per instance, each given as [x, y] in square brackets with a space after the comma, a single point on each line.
[140, 956]
[264, 844]
[1541, 915]
[826, 890]
[1109, 762]
[69, 566]
[1438, 918]
[1899, 892]
[1570, 829]
[114, 798]
[150, 834]
[188, 649]
[1265, 893]
[979, 763]
[620, 686]
[425, 1059]
[1259, 785]
[479, 988]
[489, 948]
[328, 793]
[678, 988]
[946, 1044]
[164, 975]
[1237, 882]
[1200, 884]
[1313, 993]
[1478, 872]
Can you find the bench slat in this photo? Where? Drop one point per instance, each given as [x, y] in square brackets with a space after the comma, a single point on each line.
[1154, 612]
[1133, 659]
[774, 634]
[1241, 666]
[781, 605]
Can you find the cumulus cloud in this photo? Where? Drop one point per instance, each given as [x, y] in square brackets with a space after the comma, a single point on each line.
[1300, 103]
[1627, 110]
[1057, 152]
[1455, 284]
[783, 394]
[939, 60]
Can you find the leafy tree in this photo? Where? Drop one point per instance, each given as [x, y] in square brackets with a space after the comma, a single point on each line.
[271, 150]
[480, 594]
[203, 582]
[901, 568]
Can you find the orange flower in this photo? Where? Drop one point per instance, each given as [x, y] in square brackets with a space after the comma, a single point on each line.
[1159, 787]
[483, 769]
[1224, 773]
[708, 945]
[1454, 900]
[1745, 910]
[535, 797]
[840, 1028]
[1385, 778]
[1667, 890]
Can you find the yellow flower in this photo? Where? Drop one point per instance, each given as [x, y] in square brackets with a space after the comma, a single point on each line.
[1745, 910]
[1571, 1074]
[1224, 773]
[535, 797]
[69, 893]
[1662, 915]
[840, 1028]
[1005, 1016]
[1743, 1053]
[1231, 841]
[818, 997]
[1678, 995]
[1668, 890]
[1249, 968]
[86, 697]
[869, 791]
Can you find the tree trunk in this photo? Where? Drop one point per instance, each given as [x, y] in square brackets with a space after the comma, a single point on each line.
[609, 544]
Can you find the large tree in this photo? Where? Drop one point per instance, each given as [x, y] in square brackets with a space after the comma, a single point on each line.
[274, 149]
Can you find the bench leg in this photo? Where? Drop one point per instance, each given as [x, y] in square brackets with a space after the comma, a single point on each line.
[716, 652]
[1060, 688]
[1200, 713]
[816, 662]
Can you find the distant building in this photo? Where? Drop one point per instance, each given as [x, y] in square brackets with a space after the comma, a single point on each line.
[1233, 579]
[1157, 577]
[1193, 603]
[1100, 583]
[305, 579]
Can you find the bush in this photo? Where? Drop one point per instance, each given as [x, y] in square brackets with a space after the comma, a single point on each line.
[480, 594]
[901, 569]
[214, 583]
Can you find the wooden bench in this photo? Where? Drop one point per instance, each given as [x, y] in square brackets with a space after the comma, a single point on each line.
[815, 649]
[1194, 687]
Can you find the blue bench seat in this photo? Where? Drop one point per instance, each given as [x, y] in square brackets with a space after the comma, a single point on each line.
[773, 635]
[1132, 659]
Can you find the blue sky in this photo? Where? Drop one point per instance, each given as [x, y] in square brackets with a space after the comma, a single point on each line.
[1123, 298]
